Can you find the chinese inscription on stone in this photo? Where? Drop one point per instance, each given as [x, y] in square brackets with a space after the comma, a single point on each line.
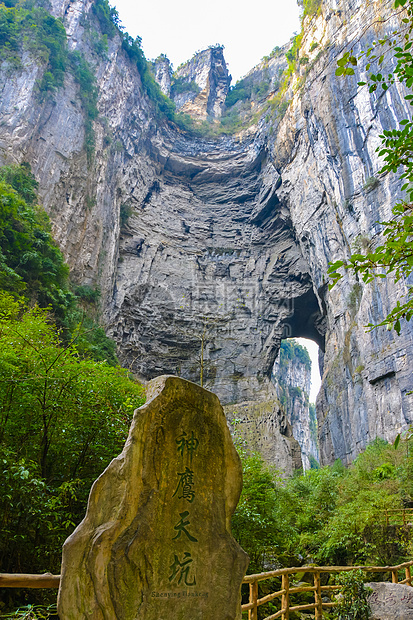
[155, 543]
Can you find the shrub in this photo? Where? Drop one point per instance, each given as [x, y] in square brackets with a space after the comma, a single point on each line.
[34, 29]
[107, 16]
[370, 184]
[240, 92]
[353, 603]
[179, 85]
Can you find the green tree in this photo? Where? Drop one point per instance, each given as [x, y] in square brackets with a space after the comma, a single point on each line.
[395, 255]
[62, 419]
[353, 602]
[257, 523]
[30, 261]
[32, 266]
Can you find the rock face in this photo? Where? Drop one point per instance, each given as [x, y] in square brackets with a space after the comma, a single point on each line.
[209, 252]
[260, 84]
[336, 195]
[264, 427]
[391, 601]
[163, 74]
[201, 85]
[156, 536]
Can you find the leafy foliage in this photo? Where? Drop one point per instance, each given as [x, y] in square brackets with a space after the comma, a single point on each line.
[179, 85]
[35, 29]
[290, 350]
[163, 105]
[21, 180]
[63, 416]
[395, 255]
[32, 266]
[292, 54]
[32, 612]
[353, 603]
[310, 7]
[107, 16]
[328, 516]
[30, 261]
[255, 523]
[240, 92]
[62, 419]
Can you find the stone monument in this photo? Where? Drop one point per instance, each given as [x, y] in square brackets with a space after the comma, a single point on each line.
[390, 601]
[155, 543]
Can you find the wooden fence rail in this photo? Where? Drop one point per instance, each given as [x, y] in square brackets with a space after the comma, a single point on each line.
[20, 580]
[48, 580]
[287, 590]
[399, 514]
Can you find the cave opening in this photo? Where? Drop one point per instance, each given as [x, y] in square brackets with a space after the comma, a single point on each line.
[296, 374]
[296, 378]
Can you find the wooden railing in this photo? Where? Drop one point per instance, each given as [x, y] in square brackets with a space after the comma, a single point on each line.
[287, 590]
[16, 580]
[399, 514]
[48, 580]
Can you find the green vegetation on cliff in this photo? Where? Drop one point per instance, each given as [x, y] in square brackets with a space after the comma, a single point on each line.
[291, 350]
[32, 267]
[27, 28]
[393, 257]
[24, 27]
[30, 262]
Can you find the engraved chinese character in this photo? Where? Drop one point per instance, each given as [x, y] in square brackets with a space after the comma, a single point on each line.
[181, 443]
[182, 568]
[191, 444]
[181, 527]
[185, 484]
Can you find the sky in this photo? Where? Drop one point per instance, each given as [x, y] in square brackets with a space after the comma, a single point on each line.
[178, 29]
[312, 349]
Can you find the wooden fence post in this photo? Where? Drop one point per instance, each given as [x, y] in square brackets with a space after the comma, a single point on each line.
[408, 575]
[317, 597]
[253, 613]
[394, 576]
[285, 599]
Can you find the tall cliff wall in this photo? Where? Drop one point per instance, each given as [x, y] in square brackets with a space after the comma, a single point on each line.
[209, 251]
[330, 182]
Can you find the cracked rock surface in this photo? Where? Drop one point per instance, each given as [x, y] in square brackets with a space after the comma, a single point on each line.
[209, 252]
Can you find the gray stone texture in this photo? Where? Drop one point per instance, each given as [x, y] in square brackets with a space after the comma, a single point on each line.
[263, 427]
[209, 71]
[156, 540]
[391, 601]
[228, 242]
[293, 383]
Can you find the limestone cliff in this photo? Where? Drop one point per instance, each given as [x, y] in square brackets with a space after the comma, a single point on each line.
[198, 87]
[209, 251]
[162, 70]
